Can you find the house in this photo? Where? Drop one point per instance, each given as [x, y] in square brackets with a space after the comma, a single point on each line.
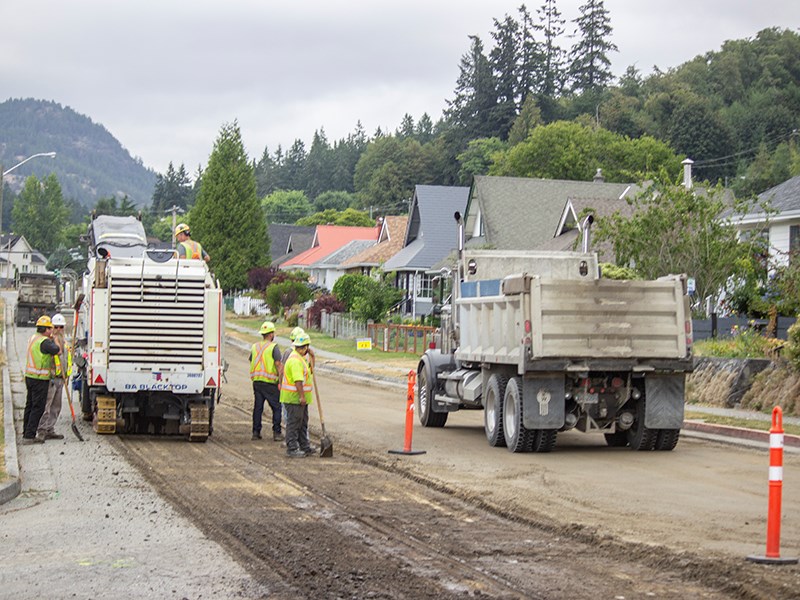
[16, 254]
[431, 233]
[519, 213]
[318, 260]
[781, 224]
[287, 241]
[390, 242]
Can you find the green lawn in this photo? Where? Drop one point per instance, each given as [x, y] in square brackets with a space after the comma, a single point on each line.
[734, 422]
[341, 346]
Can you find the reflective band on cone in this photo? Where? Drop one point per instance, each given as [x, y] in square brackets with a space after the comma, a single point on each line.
[773, 554]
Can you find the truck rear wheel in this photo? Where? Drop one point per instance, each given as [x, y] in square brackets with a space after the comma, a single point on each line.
[543, 440]
[667, 439]
[518, 439]
[493, 410]
[427, 417]
[639, 436]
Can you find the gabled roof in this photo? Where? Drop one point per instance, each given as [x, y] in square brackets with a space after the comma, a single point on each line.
[286, 239]
[431, 231]
[9, 238]
[328, 239]
[390, 242]
[783, 197]
[343, 254]
[519, 213]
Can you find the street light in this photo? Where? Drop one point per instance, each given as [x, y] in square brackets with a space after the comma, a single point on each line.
[2, 175]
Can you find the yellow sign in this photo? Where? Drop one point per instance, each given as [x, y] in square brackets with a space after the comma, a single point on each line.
[363, 344]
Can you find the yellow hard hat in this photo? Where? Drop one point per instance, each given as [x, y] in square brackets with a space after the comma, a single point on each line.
[301, 340]
[295, 332]
[182, 228]
[44, 321]
[267, 327]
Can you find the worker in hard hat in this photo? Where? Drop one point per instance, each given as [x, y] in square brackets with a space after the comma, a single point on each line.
[296, 395]
[62, 369]
[187, 247]
[310, 356]
[266, 370]
[38, 370]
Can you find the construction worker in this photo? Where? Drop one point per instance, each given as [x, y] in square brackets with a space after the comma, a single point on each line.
[296, 389]
[310, 357]
[62, 369]
[187, 247]
[266, 370]
[38, 369]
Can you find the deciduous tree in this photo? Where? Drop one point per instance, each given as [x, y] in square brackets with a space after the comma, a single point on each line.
[39, 213]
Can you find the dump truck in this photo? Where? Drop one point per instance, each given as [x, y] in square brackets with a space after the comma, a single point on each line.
[543, 344]
[150, 336]
[37, 294]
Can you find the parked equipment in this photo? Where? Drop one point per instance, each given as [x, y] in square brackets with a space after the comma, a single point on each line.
[543, 344]
[37, 294]
[152, 336]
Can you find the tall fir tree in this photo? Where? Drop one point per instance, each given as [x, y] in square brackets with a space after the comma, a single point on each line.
[503, 59]
[472, 110]
[172, 189]
[531, 56]
[590, 67]
[318, 167]
[227, 218]
[551, 78]
[294, 166]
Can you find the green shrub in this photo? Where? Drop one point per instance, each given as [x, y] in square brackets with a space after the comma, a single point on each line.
[612, 271]
[744, 343]
[793, 346]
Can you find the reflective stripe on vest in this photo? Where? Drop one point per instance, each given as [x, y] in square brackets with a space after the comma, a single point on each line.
[289, 393]
[192, 249]
[262, 363]
[39, 364]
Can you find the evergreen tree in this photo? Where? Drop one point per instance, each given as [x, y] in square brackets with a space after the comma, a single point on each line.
[551, 77]
[39, 213]
[318, 168]
[473, 108]
[294, 167]
[531, 57]
[503, 60]
[265, 173]
[590, 67]
[423, 132]
[406, 128]
[227, 218]
[172, 189]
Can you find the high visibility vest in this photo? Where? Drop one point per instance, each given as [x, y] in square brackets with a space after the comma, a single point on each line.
[39, 364]
[57, 364]
[192, 249]
[295, 369]
[262, 363]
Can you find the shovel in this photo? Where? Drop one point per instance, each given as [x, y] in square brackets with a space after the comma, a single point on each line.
[77, 307]
[325, 444]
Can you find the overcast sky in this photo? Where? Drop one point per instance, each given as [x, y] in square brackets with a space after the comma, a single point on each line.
[164, 76]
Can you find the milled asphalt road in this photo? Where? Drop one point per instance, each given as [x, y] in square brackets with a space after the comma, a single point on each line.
[78, 522]
[84, 525]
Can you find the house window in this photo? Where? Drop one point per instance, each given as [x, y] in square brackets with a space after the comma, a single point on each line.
[424, 285]
[25, 257]
[794, 243]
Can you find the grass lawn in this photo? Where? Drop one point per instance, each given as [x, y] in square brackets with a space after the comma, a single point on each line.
[338, 345]
[734, 422]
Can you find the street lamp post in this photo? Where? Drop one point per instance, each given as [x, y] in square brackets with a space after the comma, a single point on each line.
[2, 175]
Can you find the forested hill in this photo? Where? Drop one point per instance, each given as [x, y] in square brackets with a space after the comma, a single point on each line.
[90, 162]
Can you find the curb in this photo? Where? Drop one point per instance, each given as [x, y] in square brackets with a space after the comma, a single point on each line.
[753, 435]
[9, 489]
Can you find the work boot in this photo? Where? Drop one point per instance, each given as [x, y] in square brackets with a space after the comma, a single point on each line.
[277, 437]
[295, 453]
[311, 450]
[256, 436]
[53, 436]
[34, 440]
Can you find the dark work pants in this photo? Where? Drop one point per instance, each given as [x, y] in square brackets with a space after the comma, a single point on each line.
[296, 427]
[34, 405]
[269, 392]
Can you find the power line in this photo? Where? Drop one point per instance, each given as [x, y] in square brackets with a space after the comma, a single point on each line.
[712, 161]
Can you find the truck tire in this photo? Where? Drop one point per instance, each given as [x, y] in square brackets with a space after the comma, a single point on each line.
[640, 437]
[427, 417]
[667, 439]
[543, 440]
[518, 439]
[493, 410]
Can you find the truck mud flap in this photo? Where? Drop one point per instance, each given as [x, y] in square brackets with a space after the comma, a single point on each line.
[543, 401]
[664, 395]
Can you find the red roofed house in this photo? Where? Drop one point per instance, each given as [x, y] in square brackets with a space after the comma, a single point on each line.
[330, 240]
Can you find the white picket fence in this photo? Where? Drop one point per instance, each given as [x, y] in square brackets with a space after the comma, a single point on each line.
[342, 325]
[245, 305]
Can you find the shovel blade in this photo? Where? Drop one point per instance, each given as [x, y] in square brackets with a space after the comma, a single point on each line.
[326, 447]
[76, 432]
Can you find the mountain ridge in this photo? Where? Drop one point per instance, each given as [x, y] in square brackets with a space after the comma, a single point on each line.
[90, 162]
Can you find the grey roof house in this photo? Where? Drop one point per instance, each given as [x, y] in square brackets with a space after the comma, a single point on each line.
[287, 241]
[520, 213]
[782, 225]
[431, 233]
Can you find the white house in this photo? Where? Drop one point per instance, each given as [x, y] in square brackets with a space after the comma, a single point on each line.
[16, 254]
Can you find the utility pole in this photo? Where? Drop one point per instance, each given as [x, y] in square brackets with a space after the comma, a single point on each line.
[174, 209]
